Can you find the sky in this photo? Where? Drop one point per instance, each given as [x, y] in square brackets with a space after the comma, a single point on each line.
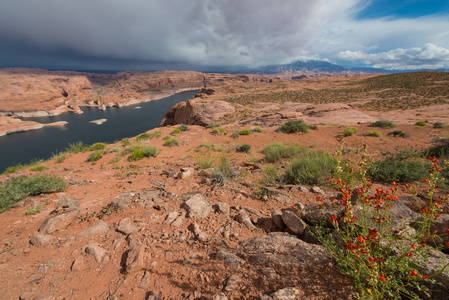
[207, 35]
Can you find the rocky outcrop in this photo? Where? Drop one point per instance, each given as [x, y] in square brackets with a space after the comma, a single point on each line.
[197, 112]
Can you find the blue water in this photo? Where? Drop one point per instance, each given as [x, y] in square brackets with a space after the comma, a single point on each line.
[122, 122]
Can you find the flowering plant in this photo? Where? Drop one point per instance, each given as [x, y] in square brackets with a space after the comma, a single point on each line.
[384, 253]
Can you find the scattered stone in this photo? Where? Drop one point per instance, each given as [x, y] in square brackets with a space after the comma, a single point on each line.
[271, 274]
[440, 224]
[96, 251]
[252, 211]
[171, 217]
[179, 220]
[66, 204]
[278, 195]
[41, 240]
[79, 263]
[282, 250]
[45, 296]
[220, 296]
[229, 259]
[58, 222]
[143, 284]
[222, 207]
[186, 172]
[26, 296]
[289, 293]
[199, 235]
[276, 215]
[232, 282]
[124, 200]
[134, 260]
[243, 218]
[294, 223]
[127, 229]
[197, 207]
[99, 228]
[318, 190]
[314, 213]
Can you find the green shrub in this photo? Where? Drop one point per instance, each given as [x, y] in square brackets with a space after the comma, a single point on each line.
[243, 148]
[277, 151]
[225, 168]
[350, 131]
[271, 174]
[312, 127]
[183, 127]
[256, 129]
[245, 132]
[398, 170]
[294, 127]
[15, 189]
[97, 146]
[94, 156]
[441, 150]
[421, 123]
[18, 167]
[143, 136]
[171, 142]
[214, 131]
[155, 134]
[125, 142]
[142, 151]
[235, 134]
[39, 168]
[176, 131]
[77, 147]
[397, 133]
[60, 158]
[383, 124]
[374, 133]
[438, 125]
[213, 125]
[205, 160]
[313, 168]
[167, 137]
[32, 210]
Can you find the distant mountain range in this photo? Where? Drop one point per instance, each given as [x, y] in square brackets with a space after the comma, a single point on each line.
[316, 66]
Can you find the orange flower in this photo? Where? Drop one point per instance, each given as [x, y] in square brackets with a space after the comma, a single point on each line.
[425, 277]
[382, 278]
[334, 218]
[414, 273]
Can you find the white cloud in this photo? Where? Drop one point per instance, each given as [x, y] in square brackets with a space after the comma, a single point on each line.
[428, 57]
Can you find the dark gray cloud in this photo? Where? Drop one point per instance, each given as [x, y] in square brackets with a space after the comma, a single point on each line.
[202, 34]
[195, 32]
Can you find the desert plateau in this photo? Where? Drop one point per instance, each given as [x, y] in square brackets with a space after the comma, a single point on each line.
[225, 199]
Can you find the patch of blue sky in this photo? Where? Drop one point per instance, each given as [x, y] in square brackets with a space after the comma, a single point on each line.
[398, 9]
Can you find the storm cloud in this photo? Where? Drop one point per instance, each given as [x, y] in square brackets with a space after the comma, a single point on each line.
[201, 34]
[196, 32]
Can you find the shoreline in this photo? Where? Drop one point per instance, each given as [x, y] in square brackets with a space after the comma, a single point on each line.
[49, 113]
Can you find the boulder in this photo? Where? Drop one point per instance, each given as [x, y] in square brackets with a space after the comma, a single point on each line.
[197, 207]
[294, 222]
[96, 251]
[243, 218]
[41, 240]
[124, 200]
[58, 222]
[66, 204]
[134, 260]
[100, 228]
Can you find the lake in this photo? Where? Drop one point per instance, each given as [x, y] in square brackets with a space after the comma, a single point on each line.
[129, 121]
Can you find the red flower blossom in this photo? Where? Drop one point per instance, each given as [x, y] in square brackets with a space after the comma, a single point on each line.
[414, 273]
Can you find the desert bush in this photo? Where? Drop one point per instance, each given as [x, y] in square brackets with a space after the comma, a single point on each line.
[77, 147]
[143, 136]
[271, 175]
[39, 168]
[18, 167]
[205, 160]
[155, 134]
[312, 167]
[125, 141]
[32, 210]
[421, 123]
[245, 132]
[383, 124]
[383, 265]
[183, 127]
[397, 133]
[94, 156]
[15, 189]
[61, 158]
[97, 146]
[224, 170]
[294, 127]
[213, 125]
[277, 151]
[256, 129]
[140, 152]
[243, 148]
[350, 131]
[235, 134]
[171, 142]
[440, 150]
[373, 133]
[438, 125]
[176, 131]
